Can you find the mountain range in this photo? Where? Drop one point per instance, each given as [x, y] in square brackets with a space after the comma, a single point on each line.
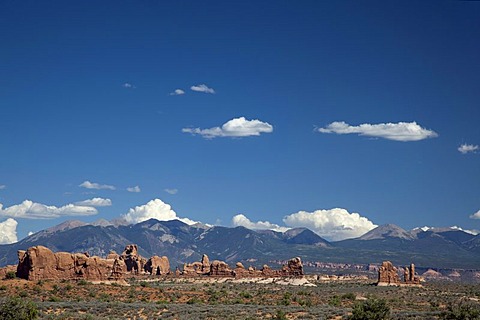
[427, 247]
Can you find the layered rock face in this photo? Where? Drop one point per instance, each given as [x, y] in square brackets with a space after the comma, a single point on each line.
[39, 263]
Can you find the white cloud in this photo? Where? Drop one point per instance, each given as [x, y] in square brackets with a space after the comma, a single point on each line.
[8, 231]
[95, 202]
[202, 88]
[242, 220]
[134, 189]
[476, 215]
[93, 185]
[2, 186]
[128, 85]
[177, 92]
[334, 224]
[154, 209]
[171, 191]
[401, 131]
[466, 148]
[237, 127]
[32, 210]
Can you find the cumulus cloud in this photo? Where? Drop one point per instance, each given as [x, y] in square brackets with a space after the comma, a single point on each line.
[401, 131]
[466, 148]
[476, 215]
[2, 186]
[32, 210]
[154, 209]
[134, 189]
[202, 88]
[242, 220]
[8, 231]
[95, 202]
[171, 191]
[177, 92]
[237, 127]
[334, 224]
[93, 185]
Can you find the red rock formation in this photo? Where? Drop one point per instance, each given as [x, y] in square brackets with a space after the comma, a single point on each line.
[197, 268]
[157, 265]
[220, 269]
[113, 255]
[294, 267]
[409, 276]
[134, 262]
[387, 274]
[193, 269]
[38, 263]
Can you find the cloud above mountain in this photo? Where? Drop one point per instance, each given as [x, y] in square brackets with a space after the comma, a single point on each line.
[476, 215]
[243, 221]
[401, 131]
[8, 231]
[32, 210]
[93, 185]
[154, 209]
[237, 127]
[95, 202]
[333, 224]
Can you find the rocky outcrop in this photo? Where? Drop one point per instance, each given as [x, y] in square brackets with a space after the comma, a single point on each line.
[38, 263]
[294, 267]
[113, 255]
[197, 268]
[157, 266]
[409, 275]
[134, 262]
[220, 269]
[387, 274]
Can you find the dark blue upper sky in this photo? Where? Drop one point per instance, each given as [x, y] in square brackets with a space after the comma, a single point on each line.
[85, 95]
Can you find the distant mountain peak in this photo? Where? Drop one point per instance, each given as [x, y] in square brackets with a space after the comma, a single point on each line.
[387, 231]
[66, 225]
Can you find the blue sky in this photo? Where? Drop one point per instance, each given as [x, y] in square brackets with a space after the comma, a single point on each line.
[359, 106]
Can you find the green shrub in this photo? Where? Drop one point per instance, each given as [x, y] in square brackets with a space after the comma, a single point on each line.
[371, 309]
[349, 296]
[18, 309]
[11, 275]
[280, 315]
[465, 310]
[82, 282]
[334, 301]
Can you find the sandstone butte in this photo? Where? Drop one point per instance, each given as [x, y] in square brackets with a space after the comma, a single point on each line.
[40, 263]
[388, 275]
